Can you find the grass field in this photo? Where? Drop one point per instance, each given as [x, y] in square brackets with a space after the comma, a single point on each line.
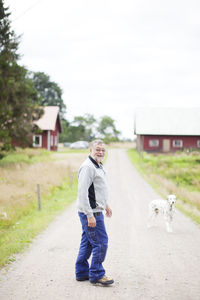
[15, 238]
[177, 173]
[28, 156]
[20, 172]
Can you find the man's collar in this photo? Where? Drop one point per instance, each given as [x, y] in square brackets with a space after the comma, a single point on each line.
[94, 162]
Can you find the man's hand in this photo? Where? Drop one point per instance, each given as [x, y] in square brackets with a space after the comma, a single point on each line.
[108, 211]
[91, 222]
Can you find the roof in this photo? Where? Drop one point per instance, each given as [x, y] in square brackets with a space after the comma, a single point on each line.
[167, 121]
[49, 118]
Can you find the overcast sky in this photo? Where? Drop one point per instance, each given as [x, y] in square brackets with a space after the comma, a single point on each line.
[111, 56]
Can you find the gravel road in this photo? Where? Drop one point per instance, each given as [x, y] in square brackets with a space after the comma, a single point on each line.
[145, 263]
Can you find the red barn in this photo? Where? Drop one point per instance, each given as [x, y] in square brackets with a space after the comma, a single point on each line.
[167, 129]
[50, 125]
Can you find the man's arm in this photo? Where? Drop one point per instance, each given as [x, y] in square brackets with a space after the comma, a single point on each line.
[84, 182]
[108, 211]
[92, 220]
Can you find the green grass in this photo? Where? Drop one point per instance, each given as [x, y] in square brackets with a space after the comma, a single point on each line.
[179, 172]
[68, 150]
[183, 169]
[15, 238]
[192, 215]
[28, 156]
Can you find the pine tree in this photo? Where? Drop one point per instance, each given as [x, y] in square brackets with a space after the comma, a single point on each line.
[18, 97]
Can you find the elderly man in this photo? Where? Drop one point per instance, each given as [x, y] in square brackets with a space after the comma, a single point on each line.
[92, 200]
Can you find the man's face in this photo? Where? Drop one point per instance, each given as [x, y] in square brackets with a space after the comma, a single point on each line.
[98, 152]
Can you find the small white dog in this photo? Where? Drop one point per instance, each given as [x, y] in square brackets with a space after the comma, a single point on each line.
[165, 207]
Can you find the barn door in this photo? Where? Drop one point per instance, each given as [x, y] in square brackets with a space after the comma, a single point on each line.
[166, 145]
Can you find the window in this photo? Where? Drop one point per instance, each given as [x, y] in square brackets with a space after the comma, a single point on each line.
[198, 143]
[56, 140]
[153, 143]
[37, 141]
[51, 140]
[177, 143]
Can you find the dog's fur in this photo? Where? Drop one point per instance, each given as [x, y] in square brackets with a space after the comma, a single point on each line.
[165, 207]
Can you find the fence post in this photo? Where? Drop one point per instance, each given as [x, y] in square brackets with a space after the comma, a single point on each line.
[39, 199]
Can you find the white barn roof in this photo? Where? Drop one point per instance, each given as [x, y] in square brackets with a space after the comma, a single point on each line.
[48, 120]
[167, 121]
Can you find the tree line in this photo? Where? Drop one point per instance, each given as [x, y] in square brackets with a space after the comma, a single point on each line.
[23, 93]
[88, 128]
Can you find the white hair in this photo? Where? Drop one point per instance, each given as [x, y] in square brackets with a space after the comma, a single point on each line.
[98, 142]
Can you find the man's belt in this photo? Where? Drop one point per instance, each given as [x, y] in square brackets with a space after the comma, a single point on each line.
[97, 214]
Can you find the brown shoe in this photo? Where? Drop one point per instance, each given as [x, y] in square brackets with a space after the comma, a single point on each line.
[104, 281]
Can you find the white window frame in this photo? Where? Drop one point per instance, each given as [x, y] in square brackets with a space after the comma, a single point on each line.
[175, 145]
[154, 143]
[40, 140]
[198, 143]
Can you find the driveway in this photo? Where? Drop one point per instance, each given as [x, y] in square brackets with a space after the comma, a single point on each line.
[145, 263]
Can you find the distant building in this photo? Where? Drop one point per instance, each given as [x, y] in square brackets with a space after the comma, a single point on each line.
[50, 126]
[167, 129]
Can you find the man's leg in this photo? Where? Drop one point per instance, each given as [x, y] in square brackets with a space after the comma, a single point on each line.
[82, 265]
[98, 238]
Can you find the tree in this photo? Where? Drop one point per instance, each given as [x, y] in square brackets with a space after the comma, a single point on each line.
[87, 128]
[107, 130]
[49, 93]
[18, 98]
[66, 135]
[81, 128]
[88, 122]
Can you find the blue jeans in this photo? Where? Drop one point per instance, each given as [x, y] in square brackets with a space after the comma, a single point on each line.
[94, 241]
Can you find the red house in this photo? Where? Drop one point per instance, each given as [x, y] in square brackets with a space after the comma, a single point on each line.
[50, 126]
[167, 129]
